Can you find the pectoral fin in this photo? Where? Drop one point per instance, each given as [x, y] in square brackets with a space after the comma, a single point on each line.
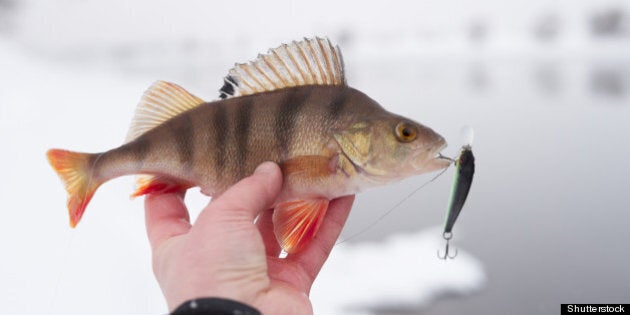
[296, 222]
[310, 166]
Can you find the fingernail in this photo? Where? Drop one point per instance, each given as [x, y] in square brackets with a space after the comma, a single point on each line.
[265, 168]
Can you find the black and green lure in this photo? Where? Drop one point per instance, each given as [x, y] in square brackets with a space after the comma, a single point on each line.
[464, 171]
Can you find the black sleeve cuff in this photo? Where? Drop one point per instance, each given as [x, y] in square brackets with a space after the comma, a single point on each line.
[214, 306]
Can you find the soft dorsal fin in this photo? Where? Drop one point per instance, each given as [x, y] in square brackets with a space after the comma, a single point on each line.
[314, 61]
[162, 101]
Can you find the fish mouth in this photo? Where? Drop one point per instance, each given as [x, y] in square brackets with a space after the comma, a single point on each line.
[435, 161]
[440, 160]
[437, 153]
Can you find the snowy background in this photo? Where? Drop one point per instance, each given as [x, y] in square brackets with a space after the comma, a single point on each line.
[546, 85]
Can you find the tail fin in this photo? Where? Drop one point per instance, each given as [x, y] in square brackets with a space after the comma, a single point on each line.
[74, 169]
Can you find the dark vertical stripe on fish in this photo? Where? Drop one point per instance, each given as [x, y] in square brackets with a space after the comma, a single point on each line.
[242, 134]
[286, 117]
[220, 132]
[139, 149]
[338, 103]
[183, 134]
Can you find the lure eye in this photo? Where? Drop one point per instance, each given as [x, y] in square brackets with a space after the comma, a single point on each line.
[405, 132]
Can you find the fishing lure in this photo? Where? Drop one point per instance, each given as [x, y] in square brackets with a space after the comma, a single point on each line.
[464, 171]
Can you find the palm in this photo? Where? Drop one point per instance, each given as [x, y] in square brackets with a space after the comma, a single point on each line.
[224, 255]
[291, 278]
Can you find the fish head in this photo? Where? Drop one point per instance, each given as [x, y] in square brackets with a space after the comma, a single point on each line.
[391, 147]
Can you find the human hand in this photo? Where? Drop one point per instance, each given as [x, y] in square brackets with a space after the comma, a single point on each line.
[225, 254]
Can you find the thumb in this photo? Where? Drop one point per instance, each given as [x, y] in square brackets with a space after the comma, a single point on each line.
[247, 198]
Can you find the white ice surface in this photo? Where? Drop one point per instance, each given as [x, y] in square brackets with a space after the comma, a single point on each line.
[103, 266]
[401, 271]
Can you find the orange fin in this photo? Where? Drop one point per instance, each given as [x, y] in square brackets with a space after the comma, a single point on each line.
[74, 169]
[149, 184]
[161, 102]
[296, 222]
[311, 166]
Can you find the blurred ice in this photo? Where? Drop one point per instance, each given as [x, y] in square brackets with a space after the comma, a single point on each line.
[400, 273]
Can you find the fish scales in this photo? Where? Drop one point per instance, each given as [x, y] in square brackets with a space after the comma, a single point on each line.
[245, 131]
[242, 132]
[183, 134]
[283, 125]
[286, 117]
[329, 139]
[215, 141]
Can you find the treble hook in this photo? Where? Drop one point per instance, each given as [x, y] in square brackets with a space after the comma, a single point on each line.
[447, 236]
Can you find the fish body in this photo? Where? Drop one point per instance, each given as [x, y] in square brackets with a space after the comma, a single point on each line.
[292, 107]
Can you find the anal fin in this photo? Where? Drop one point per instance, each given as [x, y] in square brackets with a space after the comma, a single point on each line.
[296, 222]
[150, 184]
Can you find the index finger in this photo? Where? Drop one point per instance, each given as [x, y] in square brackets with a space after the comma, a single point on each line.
[246, 199]
[165, 216]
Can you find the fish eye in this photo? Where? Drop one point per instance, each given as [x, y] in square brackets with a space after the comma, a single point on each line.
[405, 132]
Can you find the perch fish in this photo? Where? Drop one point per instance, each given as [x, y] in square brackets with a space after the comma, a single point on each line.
[291, 106]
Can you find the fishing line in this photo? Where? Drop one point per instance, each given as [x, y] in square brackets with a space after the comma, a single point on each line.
[382, 216]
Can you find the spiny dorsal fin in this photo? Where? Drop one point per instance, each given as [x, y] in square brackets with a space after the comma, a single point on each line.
[162, 101]
[313, 61]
